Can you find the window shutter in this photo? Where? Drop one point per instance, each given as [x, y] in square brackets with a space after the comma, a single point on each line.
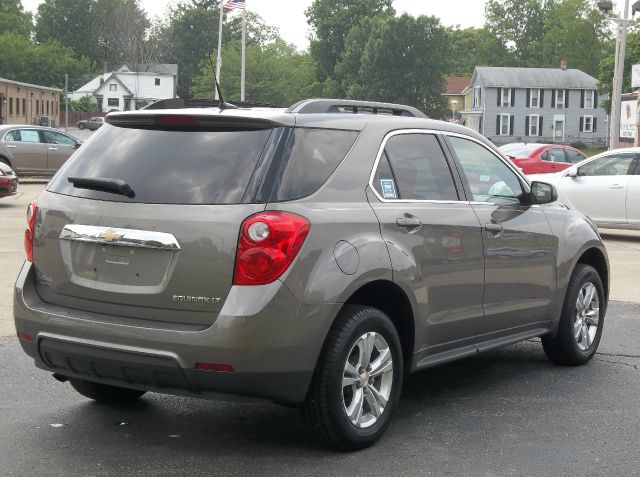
[595, 99]
[566, 98]
[526, 125]
[581, 124]
[553, 98]
[582, 99]
[528, 98]
[499, 97]
[498, 125]
[511, 125]
[513, 97]
[540, 121]
[542, 98]
[595, 124]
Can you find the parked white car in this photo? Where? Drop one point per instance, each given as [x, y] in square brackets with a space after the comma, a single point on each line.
[605, 187]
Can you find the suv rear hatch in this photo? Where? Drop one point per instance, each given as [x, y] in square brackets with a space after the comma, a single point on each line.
[163, 247]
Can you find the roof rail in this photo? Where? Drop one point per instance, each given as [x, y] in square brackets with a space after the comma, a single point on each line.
[181, 103]
[320, 106]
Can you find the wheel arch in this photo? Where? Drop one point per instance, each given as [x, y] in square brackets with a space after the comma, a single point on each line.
[390, 298]
[595, 258]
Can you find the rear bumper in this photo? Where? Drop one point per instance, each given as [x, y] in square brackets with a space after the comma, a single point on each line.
[271, 341]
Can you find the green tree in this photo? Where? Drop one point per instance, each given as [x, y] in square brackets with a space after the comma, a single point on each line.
[471, 47]
[331, 22]
[577, 32]
[276, 74]
[605, 74]
[72, 22]
[83, 104]
[397, 59]
[520, 24]
[45, 64]
[13, 18]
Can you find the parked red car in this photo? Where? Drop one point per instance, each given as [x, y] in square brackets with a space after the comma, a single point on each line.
[535, 158]
[8, 181]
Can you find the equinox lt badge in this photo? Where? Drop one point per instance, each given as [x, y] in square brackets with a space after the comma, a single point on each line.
[196, 299]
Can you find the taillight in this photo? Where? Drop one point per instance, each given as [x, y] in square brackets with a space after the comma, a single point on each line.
[268, 243]
[32, 211]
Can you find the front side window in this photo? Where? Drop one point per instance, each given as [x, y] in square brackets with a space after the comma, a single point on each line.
[53, 137]
[615, 165]
[417, 169]
[489, 179]
[560, 98]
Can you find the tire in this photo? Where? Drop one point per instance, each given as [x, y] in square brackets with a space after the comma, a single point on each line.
[81, 126]
[104, 393]
[325, 410]
[565, 348]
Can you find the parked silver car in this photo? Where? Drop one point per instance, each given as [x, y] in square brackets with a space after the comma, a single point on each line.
[605, 187]
[91, 123]
[35, 150]
[311, 257]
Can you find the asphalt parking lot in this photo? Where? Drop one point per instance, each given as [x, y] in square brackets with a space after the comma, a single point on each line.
[507, 412]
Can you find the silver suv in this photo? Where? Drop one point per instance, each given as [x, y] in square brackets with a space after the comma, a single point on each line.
[309, 256]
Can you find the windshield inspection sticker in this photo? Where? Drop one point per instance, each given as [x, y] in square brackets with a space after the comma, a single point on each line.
[388, 189]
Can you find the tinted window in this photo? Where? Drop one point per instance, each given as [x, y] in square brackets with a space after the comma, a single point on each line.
[555, 155]
[167, 167]
[384, 182]
[420, 168]
[311, 157]
[29, 135]
[609, 166]
[57, 138]
[489, 179]
[10, 136]
[575, 156]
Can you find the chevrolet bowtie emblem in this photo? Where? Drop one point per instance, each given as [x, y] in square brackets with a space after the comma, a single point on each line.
[110, 236]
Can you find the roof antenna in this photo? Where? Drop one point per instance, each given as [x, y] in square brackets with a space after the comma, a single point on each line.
[222, 104]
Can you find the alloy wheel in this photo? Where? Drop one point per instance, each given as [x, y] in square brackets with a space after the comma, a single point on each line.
[587, 320]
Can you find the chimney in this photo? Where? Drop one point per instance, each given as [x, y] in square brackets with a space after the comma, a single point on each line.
[563, 65]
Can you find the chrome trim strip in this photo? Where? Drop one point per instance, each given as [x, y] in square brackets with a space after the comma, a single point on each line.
[377, 161]
[119, 237]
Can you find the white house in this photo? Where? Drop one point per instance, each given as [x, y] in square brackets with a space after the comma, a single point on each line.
[123, 89]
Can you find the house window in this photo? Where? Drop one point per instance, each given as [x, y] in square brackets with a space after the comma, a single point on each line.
[505, 125]
[589, 99]
[506, 97]
[157, 81]
[113, 87]
[560, 99]
[534, 125]
[534, 98]
[587, 124]
[47, 107]
[17, 106]
[477, 93]
[113, 102]
[24, 107]
[37, 107]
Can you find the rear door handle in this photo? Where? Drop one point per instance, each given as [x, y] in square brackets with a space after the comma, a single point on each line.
[53, 148]
[409, 222]
[11, 147]
[494, 228]
[616, 186]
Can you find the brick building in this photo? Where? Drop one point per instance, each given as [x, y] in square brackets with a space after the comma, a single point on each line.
[24, 103]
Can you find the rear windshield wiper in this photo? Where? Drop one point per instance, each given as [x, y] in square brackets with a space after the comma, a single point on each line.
[103, 184]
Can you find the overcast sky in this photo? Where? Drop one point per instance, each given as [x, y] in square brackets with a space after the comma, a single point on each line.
[288, 15]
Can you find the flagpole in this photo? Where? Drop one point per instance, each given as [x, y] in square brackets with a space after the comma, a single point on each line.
[219, 58]
[244, 54]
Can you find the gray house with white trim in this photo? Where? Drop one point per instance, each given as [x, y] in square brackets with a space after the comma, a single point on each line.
[535, 105]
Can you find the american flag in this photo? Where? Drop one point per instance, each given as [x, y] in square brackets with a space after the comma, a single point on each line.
[230, 5]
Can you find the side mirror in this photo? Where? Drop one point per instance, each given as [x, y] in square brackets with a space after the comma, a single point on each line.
[572, 172]
[77, 145]
[543, 193]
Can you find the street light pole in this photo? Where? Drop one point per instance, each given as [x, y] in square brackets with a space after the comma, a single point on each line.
[618, 76]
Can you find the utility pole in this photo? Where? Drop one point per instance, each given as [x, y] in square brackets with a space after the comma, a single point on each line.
[616, 96]
[66, 102]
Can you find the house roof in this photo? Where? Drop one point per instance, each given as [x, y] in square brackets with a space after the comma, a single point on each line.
[107, 81]
[155, 68]
[29, 85]
[457, 84]
[552, 78]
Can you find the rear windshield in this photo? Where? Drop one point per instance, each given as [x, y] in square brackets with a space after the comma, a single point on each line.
[167, 167]
[519, 150]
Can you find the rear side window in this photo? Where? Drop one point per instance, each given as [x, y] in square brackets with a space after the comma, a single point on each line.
[419, 167]
[311, 156]
[167, 167]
